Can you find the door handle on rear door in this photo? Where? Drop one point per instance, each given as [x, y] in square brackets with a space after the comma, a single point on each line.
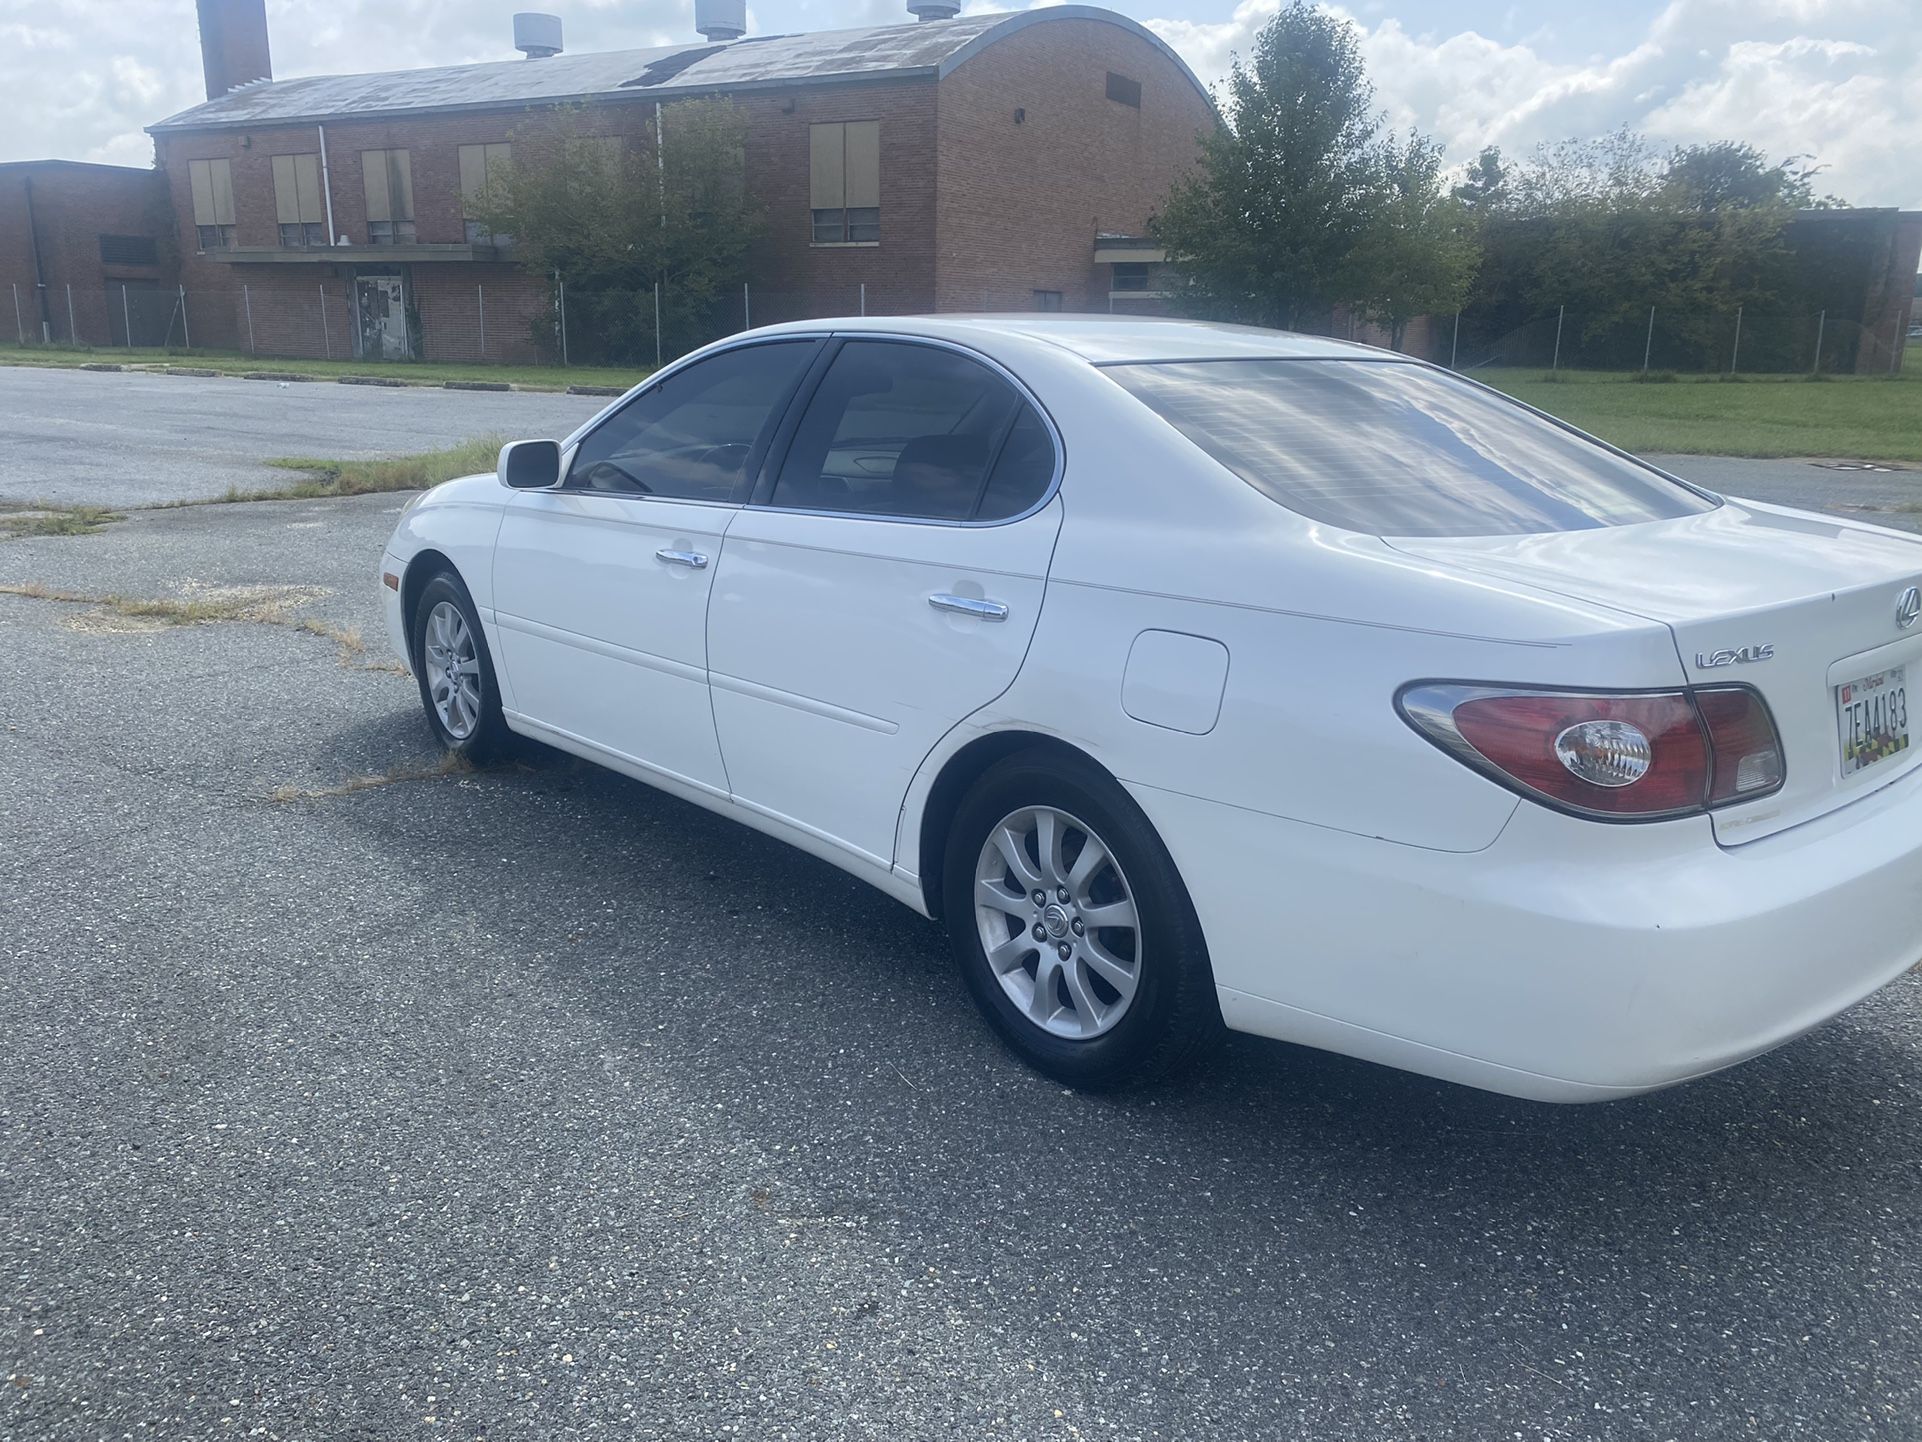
[969, 606]
[694, 560]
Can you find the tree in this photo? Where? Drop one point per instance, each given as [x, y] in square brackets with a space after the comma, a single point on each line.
[1420, 255]
[614, 218]
[1485, 187]
[1264, 227]
[1707, 178]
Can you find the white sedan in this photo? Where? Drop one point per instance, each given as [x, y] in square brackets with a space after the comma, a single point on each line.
[1196, 675]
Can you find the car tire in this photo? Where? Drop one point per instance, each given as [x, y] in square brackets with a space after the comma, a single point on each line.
[1048, 974]
[447, 643]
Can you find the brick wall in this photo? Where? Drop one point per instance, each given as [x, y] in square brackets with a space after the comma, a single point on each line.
[1021, 202]
[73, 205]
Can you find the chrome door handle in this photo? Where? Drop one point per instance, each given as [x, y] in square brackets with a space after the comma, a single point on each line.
[693, 560]
[969, 606]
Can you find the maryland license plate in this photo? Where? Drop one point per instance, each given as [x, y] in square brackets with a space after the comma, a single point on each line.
[1873, 717]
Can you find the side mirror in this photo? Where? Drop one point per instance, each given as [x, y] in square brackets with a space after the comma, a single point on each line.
[529, 465]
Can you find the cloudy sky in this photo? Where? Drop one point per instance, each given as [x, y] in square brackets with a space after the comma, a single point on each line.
[1838, 79]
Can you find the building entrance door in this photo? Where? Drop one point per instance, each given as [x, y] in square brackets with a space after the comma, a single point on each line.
[380, 303]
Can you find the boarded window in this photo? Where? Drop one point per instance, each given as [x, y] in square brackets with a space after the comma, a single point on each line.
[299, 207]
[481, 167]
[128, 250]
[1124, 91]
[387, 177]
[1047, 300]
[213, 188]
[844, 181]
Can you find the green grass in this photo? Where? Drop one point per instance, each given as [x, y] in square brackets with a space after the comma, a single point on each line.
[1868, 418]
[424, 372]
[57, 521]
[365, 478]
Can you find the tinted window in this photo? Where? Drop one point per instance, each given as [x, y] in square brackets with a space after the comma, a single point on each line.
[691, 436]
[905, 430]
[1400, 450]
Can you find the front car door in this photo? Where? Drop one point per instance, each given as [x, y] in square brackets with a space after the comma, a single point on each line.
[601, 584]
[883, 585]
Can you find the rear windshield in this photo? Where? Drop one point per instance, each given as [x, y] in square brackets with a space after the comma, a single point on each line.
[1393, 449]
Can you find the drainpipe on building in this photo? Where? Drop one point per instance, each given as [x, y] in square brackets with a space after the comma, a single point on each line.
[327, 187]
[39, 280]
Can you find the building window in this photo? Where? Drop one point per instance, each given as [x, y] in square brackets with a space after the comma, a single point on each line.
[1047, 300]
[212, 182]
[1124, 91]
[1130, 275]
[298, 206]
[128, 250]
[845, 182]
[483, 169]
[387, 178]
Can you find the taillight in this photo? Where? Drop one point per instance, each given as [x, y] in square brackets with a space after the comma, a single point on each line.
[1641, 756]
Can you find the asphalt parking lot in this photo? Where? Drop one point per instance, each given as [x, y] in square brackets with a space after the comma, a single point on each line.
[532, 1104]
[77, 437]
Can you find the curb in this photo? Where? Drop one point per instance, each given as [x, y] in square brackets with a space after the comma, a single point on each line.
[596, 391]
[475, 386]
[370, 381]
[275, 376]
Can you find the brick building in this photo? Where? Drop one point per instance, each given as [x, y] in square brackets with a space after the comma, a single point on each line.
[992, 162]
[84, 250]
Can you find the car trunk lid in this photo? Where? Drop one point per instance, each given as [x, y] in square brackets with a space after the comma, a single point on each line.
[1800, 607]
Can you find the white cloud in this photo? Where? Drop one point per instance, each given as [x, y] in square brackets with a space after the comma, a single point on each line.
[1837, 79]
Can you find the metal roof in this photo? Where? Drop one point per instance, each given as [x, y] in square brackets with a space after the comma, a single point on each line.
[932, 47]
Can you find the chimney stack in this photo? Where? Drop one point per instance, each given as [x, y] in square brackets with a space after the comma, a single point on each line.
[537, 36]
[233, 44]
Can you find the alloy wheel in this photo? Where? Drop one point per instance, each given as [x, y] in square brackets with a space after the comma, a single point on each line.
[1057, 922]
[453, 670]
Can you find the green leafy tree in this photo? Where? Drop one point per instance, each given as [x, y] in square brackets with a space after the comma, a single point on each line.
[1484, 189]
[613, 217]
[1420, 254]
[1264, 227]
[1732, 175]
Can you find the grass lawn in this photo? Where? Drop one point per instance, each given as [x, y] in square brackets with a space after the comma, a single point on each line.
[430, 372]
[1868, 418]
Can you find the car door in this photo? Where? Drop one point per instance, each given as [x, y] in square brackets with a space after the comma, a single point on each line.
[601, 583]
[883, 585]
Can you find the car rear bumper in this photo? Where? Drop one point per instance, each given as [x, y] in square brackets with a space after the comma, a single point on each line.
[1570, 960]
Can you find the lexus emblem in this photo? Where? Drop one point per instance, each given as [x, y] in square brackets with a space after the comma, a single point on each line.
[1908, 608]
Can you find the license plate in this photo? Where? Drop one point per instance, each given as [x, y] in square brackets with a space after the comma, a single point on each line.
[1873, 715]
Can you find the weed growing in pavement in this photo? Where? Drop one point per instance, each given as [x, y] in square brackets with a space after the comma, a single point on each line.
[56, 521]
[448, 765]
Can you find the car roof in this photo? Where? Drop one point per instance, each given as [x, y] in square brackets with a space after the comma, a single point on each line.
[1104, 340]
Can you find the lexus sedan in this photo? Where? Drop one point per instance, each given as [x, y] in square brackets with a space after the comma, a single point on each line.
[1196, 676]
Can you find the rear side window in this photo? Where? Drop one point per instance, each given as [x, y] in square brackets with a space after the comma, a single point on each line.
[1392, 449]
[691, 437]
[915, 432]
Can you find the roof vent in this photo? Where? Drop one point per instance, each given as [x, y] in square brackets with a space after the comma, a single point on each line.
[934, 9]
[537, 35]
[721, 20]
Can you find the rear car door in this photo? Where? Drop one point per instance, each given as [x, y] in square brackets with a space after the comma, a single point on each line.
[601, 584]
[884, 583]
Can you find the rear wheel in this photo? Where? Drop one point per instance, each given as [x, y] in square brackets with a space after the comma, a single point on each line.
[1071, 926]
[456, 675]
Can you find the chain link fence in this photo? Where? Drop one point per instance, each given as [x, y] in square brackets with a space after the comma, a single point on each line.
[533, 320]
[521, 321]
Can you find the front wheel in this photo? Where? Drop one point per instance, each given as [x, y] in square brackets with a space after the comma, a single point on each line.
[1072, 928]
[457, 686]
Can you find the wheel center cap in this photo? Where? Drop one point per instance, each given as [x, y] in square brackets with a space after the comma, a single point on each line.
[1055, 918]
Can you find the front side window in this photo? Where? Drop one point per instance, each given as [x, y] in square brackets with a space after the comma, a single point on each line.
[212, 184]
[1393, 449]
[387, 181]
[691, 436]
[916, 432]
[844, 182]
[298, 205]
